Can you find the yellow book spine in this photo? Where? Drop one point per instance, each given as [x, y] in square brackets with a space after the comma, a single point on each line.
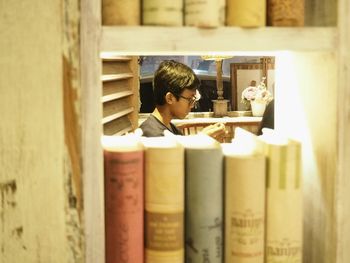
[164, 204]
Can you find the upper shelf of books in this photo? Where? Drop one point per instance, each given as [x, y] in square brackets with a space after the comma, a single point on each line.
[158, 40]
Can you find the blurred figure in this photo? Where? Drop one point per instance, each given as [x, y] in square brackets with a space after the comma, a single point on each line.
[268, 119]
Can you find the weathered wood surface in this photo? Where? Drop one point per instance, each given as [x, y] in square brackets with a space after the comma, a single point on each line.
[92, 161]
[189, 40]
[39, 179]
[343, 179]
[306, 109]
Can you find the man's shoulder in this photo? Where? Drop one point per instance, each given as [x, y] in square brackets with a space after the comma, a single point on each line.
[152, 128]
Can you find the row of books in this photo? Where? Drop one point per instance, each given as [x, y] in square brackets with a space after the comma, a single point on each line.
[204, 13]
[191, 199]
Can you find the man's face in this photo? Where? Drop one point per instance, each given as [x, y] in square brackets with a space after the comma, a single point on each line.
[180, 109]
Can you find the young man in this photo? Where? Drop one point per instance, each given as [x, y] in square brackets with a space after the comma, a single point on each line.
[174, 88]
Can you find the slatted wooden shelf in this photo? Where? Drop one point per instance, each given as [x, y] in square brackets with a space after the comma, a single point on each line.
[117, 125]
[117, 95]
[113, 77]
[117, 115]
[120, 85]
[111, 56]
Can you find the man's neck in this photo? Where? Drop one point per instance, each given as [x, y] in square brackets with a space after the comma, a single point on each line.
[163, 115]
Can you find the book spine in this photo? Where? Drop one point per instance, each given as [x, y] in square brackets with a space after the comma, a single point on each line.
[284, 204]
[285, 12]
[243, 13]
[244, 208]
[162, 12]
[321, 13]
[120, 12]
[208, 13]
[204, 205]
[164, 205]
[124, 206]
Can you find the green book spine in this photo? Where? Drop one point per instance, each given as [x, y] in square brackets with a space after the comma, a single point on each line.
[204, 205]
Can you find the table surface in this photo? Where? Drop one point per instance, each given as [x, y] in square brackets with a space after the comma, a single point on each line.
[215, 120]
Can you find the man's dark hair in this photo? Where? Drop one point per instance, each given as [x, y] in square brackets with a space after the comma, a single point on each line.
[172, 76]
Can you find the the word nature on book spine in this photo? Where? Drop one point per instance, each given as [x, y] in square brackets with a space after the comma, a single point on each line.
[244, 203]
[283, 199]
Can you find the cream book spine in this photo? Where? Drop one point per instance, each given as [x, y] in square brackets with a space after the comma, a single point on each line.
[207, 13]
[283, 200]
[244, 203]
[244, 13]
[164, 200]
[162, 12]
[120, 12]
[203, 199]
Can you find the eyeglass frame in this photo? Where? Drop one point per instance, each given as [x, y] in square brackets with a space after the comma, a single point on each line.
[191, 101]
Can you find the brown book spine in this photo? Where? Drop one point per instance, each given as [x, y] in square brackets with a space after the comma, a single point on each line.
[120, 12]
[124, 205]
[285, 12]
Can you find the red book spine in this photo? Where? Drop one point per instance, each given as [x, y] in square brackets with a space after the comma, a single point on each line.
[124, 206]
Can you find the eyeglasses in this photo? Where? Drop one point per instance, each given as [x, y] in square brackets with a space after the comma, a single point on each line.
[191, 101]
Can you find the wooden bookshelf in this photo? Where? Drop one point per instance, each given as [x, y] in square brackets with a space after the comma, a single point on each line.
[119, 93]
[323, 56]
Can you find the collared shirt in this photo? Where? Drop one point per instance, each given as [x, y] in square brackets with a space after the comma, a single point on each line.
[152, 127]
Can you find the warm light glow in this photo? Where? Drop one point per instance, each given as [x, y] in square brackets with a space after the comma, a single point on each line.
[290, 116]
[198, 141]
[244, 143]
[160, 142]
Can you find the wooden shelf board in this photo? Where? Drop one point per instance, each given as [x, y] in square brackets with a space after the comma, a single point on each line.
[117, 115]
[115, 96]
[191, 40]
[123, 131]
[112, 77]
[112, 56]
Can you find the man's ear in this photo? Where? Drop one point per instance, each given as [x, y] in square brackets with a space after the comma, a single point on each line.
[169, 98]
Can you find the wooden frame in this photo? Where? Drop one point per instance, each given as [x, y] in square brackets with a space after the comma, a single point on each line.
[342, 198]
[265, 64]
[92, 161]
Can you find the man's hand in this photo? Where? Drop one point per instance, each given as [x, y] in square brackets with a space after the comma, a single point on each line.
[216, 131]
